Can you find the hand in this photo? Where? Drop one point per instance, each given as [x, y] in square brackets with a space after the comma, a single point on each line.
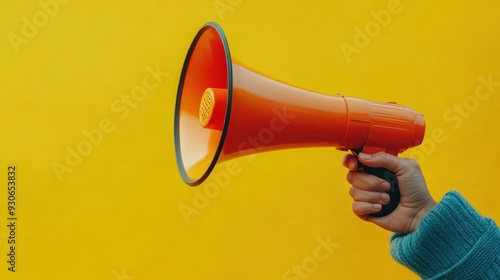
[368, 191]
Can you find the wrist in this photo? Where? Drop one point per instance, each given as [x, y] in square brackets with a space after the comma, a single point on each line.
[428, 206]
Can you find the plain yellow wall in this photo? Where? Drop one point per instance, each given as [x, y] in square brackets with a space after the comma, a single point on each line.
[114, 211]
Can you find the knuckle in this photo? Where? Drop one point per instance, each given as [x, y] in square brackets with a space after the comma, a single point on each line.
[380, 156]
[355, 208]
[352, 191]
[411, 164]
[349, 176]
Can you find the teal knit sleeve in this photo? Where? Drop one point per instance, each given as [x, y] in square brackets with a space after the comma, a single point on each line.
[452, 242]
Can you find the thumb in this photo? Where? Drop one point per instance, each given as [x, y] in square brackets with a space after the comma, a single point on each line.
[380, 159]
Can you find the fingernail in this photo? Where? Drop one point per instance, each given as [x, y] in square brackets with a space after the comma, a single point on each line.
[385, 198]
[377, 206]
[385, 186]
[364, 156]
[352, 165]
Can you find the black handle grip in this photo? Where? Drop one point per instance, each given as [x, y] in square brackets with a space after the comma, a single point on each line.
[390, 177]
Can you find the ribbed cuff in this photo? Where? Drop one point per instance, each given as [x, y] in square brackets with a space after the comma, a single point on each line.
[453, 241]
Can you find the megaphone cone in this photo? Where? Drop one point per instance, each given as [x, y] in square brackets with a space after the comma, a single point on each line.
[225, 110]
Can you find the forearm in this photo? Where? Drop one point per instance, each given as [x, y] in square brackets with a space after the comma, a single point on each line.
[453, 241]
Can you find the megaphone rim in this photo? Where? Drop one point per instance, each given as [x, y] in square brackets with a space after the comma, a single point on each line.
[182, 170]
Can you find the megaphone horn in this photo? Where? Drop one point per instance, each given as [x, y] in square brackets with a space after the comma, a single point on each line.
[225, 110]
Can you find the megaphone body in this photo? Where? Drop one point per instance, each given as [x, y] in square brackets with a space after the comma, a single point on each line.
[226, 110]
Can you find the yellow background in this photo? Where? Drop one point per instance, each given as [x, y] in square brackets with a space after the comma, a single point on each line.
[116, 214]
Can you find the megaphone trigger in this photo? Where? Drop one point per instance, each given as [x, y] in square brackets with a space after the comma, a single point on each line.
[390, 177]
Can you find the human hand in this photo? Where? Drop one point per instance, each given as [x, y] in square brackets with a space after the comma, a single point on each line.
[369, 191]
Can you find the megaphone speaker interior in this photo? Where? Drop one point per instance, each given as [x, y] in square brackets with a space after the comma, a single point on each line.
[225, 110]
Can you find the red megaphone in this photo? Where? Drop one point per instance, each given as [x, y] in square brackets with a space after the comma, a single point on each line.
[225, 110]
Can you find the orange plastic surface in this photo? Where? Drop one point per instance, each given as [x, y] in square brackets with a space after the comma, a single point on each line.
[205, 67]
[258, 114]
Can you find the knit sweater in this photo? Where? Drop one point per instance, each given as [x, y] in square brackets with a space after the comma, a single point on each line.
[452, 242]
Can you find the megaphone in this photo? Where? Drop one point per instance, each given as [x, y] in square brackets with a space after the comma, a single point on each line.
[226, 110]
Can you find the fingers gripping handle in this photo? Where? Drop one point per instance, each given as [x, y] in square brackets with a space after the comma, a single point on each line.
[390, 177]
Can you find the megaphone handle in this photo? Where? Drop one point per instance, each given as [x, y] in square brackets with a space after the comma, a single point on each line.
[394, 193]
